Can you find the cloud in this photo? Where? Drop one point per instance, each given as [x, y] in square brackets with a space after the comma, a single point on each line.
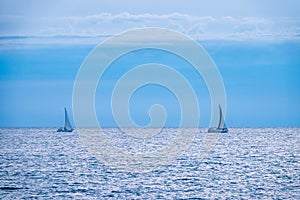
[84, 29]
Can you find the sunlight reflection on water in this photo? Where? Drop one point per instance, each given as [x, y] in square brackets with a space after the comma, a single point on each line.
[245, 163]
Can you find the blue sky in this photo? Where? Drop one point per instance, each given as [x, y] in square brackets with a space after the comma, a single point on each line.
[254, 44]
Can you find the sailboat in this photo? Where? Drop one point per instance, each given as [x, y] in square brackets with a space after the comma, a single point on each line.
[67, 127]
[221, 127]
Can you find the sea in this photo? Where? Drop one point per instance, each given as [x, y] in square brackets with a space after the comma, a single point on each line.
[245, 163]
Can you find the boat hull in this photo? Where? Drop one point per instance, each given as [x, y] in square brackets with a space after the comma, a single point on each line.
[216, 130]
[64, 130]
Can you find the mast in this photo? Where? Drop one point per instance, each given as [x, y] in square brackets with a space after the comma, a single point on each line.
[66, 118]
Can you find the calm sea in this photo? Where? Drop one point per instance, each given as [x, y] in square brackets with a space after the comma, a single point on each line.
[250, 163]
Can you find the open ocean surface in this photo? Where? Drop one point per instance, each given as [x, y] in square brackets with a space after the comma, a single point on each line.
[249, 163]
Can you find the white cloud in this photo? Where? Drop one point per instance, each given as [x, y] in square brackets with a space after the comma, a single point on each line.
[87, 28]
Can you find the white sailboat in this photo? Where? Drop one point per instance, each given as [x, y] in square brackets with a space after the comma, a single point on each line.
[221, 127]
[67, 127]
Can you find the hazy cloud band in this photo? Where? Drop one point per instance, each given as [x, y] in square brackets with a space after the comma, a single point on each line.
[83, 29]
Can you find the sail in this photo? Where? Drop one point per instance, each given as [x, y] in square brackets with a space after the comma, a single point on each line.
[221, 120]
[67, 121]
[221, 126]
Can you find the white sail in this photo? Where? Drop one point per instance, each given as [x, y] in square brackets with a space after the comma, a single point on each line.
[221, 126]
[67, 121]
[67, 127]
[221, 120]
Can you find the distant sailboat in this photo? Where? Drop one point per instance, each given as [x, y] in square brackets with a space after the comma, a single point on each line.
[67, 127]
[221, 127]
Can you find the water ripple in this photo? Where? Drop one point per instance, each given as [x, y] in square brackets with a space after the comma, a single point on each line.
[246, 163]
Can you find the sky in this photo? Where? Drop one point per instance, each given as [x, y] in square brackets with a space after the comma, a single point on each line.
[255, 45]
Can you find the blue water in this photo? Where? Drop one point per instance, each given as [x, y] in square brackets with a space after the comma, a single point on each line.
[245, 163]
